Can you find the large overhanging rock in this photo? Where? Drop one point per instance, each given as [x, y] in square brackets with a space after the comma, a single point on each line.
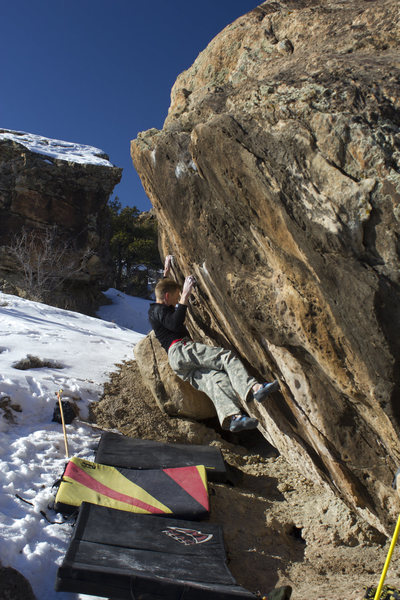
[276, 181]
[54, 186]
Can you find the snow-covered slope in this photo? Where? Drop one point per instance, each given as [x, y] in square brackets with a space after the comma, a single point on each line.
[126, 310]
[82, 352]
[59, 149]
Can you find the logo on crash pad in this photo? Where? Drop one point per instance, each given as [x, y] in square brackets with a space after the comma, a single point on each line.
[188, 537]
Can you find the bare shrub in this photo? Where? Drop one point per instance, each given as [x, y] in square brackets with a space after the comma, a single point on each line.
[34, 362]
[45, 260]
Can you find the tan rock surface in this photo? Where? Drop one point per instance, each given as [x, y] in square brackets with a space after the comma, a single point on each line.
[174, 396]
[276, 181]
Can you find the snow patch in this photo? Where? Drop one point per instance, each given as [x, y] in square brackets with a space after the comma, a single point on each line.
[180, 169]
[126, 311]
[68, 151]
[32, 452]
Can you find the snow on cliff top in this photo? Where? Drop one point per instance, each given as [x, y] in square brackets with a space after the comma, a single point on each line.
[59, 149]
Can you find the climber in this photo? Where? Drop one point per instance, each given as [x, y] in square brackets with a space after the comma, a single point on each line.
[213, 370]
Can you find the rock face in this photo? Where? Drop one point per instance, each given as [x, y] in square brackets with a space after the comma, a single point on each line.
[173, 396]
[276, 181]
[48, 183]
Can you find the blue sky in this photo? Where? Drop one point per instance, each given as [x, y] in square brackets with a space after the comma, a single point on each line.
[97, 72]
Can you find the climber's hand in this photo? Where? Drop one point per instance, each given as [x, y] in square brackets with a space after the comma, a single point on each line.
[187, 290]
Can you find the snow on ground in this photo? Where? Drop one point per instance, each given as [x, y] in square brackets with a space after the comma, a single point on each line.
[69, 151]
[126, 310]
[82, 352]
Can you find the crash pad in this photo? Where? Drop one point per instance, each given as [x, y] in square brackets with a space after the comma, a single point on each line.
[122, 555]
[181, 492]
[122, 451]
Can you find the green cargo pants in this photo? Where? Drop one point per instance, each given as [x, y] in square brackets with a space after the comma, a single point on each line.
[215, 371]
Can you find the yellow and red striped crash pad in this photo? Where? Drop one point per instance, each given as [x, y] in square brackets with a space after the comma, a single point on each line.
[179, 492]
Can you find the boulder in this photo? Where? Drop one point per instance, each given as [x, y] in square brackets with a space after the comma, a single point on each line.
[54, 186]
[174, 396]
[276, 181]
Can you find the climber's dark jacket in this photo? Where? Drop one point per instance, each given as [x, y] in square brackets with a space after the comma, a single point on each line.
[168, 323]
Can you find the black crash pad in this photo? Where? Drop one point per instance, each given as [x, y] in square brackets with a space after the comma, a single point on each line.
[121, 451]
[123, 555]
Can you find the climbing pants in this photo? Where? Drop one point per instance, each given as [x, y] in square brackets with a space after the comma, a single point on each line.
[215, 371]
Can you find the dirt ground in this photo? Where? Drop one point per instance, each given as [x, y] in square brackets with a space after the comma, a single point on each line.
[279, 528]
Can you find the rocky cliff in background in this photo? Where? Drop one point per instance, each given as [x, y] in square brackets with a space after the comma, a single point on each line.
[276, 181]
[50, 184]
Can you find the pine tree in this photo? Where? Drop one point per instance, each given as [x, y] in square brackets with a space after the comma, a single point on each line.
[133, 243]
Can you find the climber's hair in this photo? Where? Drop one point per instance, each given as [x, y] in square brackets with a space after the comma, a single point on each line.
[165, 285]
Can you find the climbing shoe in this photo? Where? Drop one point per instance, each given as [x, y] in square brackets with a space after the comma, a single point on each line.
[242, 422]
[265, 390]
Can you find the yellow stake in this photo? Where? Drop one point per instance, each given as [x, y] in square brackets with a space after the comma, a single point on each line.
[63, 423]
[388, 559]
